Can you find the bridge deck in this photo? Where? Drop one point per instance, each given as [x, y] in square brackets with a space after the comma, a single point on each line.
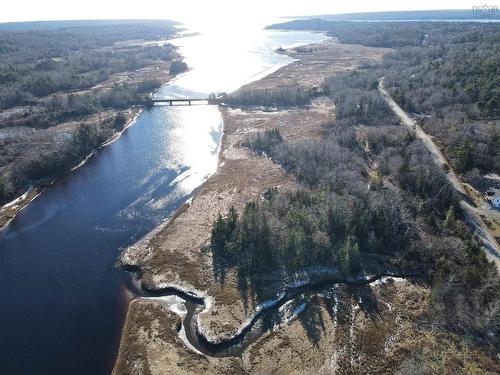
[171, 101]
[187, 101]
[164, 100]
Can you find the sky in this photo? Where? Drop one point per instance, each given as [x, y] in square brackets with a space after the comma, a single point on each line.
[206, 11]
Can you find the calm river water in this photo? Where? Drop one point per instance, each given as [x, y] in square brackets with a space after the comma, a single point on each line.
[62, 302]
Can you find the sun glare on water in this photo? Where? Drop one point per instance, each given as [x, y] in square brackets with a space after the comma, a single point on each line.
[226, 20]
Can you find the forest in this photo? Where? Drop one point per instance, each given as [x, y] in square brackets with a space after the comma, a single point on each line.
[414, 15]
[446, 73]
[369, 201]
[398, 34]
[57, 72]
[286, 97]
[36, 63]
[455, 91]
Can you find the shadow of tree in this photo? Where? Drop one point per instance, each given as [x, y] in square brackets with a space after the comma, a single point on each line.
[315, 306]
[312, 320]
[366, 300]
[336, 306]
[257, 288]
[220, 265]
[243, 288]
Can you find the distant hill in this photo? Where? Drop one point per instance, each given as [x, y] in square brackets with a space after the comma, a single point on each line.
[414, 15]
[393, 34]
[53, 25]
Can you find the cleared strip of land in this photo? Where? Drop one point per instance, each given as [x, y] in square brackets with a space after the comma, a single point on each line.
[490, 245]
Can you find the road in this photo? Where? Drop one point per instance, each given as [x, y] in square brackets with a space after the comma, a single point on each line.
[471, 214]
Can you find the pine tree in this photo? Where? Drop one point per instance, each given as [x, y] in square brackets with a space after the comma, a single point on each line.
[449, 221]
[349, 256]
[232, 220]
[218, 240]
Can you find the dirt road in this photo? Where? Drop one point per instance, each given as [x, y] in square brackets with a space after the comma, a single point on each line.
[471, 214]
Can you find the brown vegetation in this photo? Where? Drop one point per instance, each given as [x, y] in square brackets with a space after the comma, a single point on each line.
[55, 130]
[343, 188]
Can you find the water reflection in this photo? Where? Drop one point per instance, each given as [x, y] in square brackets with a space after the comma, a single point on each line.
[62, 302]
[223, 67]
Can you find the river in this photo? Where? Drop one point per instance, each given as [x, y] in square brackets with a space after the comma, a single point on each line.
[62, 301]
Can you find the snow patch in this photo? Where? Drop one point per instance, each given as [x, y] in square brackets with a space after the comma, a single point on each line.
[385, 279]
[269, 303]
[18, 199]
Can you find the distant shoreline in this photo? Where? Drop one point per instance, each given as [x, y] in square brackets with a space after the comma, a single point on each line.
[439, 15]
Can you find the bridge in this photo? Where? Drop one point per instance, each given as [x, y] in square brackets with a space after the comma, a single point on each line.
[186, 101]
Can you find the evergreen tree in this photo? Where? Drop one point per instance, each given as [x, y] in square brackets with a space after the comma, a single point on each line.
[218, 240]
[349, 256]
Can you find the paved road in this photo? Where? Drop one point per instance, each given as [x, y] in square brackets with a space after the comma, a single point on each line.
[490, 245]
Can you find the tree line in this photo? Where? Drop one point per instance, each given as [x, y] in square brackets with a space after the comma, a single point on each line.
[42, 67]
[41, 163]
[285, 97]
[399, 216]
[447, 73]
[20, 83]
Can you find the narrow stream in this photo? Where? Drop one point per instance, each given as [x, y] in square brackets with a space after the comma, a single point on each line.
[62, 300]
[267, 316]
